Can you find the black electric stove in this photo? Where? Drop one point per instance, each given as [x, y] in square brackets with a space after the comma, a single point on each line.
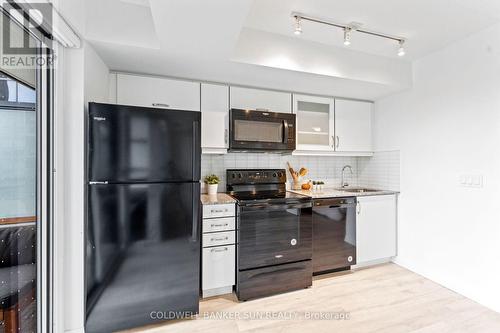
[274, 229]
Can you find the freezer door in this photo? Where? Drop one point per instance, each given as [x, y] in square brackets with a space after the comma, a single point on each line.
[137, 144]
[142, 254]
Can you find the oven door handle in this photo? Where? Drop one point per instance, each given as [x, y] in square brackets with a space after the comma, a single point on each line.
[271, 207]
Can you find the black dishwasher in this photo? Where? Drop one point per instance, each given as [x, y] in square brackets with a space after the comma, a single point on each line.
[334, 234]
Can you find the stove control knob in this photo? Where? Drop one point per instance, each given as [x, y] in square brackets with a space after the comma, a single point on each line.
[234, 176]
[274, 175]
[240, 176]
[280, 174]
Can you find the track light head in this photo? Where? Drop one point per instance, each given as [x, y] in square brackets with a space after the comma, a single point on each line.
[401, 50]
[297, 26]
[347, 36]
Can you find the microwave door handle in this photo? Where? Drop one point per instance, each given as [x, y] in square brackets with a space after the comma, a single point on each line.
[285, 131]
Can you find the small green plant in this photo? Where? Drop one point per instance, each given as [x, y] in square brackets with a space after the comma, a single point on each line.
[211, 180]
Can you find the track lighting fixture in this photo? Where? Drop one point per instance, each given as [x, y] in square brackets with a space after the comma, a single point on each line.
[401, 51]
[348, 30]
[297, 26]
[347, 36]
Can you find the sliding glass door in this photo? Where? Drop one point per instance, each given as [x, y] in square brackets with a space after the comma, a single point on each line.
[25, 178]
[18, 206]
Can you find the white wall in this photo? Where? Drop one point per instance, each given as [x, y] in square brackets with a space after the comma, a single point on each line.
[447, 125]
[85, 79]
[69, 254]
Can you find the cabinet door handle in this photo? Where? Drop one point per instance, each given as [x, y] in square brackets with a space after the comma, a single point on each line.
[226, 135]
[338, 141]
[359, 208]
[162, 105]
[219, 250]
[219, 210]
[262, 109]
[333, 141]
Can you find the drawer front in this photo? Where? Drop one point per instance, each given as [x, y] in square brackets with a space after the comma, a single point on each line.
[219, 238]
[219, 224]
[272, 280]
[218, 267]
[211, 211]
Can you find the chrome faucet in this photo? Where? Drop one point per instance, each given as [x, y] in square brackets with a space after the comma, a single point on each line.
[344, 183]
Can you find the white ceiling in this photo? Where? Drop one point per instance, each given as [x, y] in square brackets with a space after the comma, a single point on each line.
[125, 22]
[198, 38]
[427, 24]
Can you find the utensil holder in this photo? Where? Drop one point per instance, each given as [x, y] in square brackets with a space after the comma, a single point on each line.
[297, 185]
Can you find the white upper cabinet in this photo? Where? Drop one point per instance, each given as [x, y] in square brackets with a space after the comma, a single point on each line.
[157, 92]
[259, 99]
[315, 122]
[214, 117]
[376, 228]
[353, 126]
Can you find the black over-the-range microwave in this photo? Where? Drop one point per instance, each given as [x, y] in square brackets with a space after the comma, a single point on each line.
[253, 130]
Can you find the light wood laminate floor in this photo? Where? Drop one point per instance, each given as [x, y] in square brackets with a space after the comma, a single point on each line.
[385, 298]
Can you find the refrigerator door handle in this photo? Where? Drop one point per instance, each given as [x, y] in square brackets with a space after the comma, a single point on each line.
[196, 213]
[196, 150]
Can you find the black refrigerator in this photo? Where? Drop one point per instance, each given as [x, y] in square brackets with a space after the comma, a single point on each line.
[143, 216]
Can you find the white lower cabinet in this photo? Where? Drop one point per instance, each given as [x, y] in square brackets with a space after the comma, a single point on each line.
[376, 233]
[218, 270]
[219, 252]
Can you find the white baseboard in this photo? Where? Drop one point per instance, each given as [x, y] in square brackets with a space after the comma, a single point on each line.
[217, 291]
[372, 263]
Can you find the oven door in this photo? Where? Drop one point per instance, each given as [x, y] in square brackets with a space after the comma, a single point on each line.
[271, 234]
[261, 131]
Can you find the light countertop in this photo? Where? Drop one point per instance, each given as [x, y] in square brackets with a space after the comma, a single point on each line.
[217, 199]
[337, 193]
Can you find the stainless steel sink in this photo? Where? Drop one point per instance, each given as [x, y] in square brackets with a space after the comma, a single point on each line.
[358, 190]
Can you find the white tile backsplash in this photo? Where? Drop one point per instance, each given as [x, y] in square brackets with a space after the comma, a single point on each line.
[322, 168]
[380, 171]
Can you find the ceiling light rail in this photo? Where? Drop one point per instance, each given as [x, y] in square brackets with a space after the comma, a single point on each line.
[348, 29]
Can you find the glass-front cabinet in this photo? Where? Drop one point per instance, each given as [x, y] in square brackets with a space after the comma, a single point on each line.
[315, 122]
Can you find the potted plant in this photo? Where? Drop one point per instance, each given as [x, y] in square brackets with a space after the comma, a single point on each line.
[212, 182]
